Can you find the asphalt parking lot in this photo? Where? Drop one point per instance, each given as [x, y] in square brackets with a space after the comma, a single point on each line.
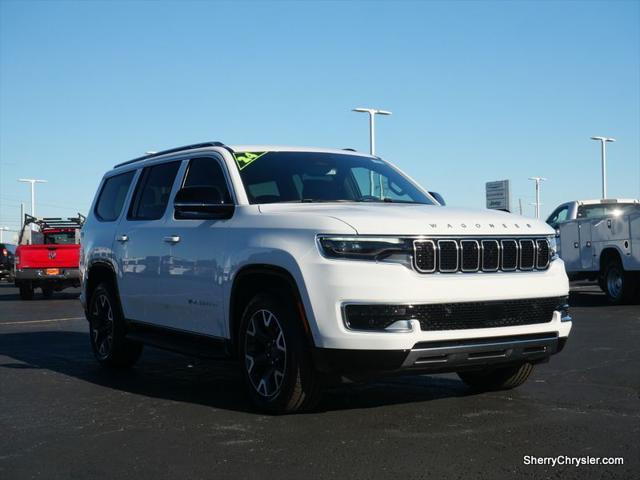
[61, 416]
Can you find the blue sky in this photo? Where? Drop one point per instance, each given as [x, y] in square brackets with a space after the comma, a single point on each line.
[479, 90]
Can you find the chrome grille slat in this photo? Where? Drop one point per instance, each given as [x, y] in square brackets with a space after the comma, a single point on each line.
[470, 255]
[451, 255]
[509, 257]
[527, 254]
[490, 255]
[448, 253]
[542, 254]
[425, 256]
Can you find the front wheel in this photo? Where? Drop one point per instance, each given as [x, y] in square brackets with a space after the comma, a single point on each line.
[275, 357]
[502, 378]
[107, 331]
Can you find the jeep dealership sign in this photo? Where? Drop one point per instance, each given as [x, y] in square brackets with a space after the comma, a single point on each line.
[498, 195]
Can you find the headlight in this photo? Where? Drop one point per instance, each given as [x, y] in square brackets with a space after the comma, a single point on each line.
[364, 248]
[553, 247]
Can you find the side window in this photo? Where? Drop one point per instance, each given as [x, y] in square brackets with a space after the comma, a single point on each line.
[591, 211]
[112, 196]
[207, 172]
[372, 184]
[153, 190]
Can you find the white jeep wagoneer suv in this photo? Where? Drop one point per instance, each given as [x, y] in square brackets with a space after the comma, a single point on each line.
[307, 264]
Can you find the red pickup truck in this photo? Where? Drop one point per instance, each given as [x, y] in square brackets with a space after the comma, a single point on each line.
[48, 255]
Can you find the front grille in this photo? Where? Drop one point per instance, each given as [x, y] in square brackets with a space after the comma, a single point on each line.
[455, 316]
[486, 255]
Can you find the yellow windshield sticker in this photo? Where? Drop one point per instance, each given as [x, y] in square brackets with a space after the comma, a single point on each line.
[244, 159]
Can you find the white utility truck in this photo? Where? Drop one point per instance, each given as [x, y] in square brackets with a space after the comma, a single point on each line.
[600, 241]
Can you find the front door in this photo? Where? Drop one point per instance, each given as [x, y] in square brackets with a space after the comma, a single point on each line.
[195, 252]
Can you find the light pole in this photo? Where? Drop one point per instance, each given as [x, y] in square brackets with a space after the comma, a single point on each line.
[33, 182]
[538, 180]
[603, 150]
[372, 127]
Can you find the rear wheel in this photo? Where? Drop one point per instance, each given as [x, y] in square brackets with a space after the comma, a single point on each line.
[619, 286]
[26, 291]
[108, 330]
[502, 378]
[275, 357]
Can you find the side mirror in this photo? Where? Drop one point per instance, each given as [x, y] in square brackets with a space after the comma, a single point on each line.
[438, 197]
[201, 203]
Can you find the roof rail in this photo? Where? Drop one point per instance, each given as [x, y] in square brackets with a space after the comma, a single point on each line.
[174, 150]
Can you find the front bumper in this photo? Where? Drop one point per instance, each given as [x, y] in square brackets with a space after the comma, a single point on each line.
[330, 285]
[442, 356]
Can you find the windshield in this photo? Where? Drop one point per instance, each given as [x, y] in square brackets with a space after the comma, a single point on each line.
[274, 177]
[607, 209]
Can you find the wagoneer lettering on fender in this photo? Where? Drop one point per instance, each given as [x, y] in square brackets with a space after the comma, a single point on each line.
[307, 265]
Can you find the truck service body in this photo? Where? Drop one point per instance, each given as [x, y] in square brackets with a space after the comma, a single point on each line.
[599, 240]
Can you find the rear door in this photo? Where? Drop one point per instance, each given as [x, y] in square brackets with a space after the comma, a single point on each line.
[586, 246]
[139, 246]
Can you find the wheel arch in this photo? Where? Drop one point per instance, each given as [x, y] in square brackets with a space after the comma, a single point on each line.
[98, 272]
[606, 255]
[250, 280]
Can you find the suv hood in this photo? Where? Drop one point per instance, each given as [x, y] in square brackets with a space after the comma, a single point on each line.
[409, 219]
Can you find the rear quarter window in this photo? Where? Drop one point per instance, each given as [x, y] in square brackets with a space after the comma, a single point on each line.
[112, 196]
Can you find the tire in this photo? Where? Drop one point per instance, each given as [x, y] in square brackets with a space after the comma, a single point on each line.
[107, 330]
[503, 378]
[275, 358]
[26, 291]
[47, 292]
[619, 286]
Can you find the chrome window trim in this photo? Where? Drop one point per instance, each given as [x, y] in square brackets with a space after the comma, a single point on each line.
[499, 255]
[415, 260]
[502, 242]
[462, 241]
[455, 242]
[533, 265]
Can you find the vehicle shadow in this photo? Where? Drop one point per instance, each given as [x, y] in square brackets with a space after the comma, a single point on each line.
[588, 298]
[165, 375]
[8, 292]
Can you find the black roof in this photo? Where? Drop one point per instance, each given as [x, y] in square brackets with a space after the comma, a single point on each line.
[175, 150]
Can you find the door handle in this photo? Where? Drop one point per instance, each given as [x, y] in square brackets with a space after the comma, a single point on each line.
[122, 238]
[172, 239]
